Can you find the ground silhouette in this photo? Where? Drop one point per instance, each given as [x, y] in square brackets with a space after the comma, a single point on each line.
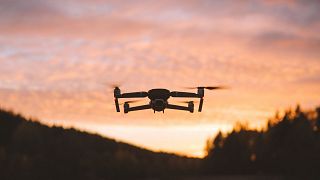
[30, 150]
[288, 147]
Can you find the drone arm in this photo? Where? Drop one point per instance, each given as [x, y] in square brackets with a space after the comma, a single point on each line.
[177, 107]
[184, 94]
[200, 105]
[117, 104]
[141, 94]
[137, 108]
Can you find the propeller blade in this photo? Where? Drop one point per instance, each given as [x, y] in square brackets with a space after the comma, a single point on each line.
[208, 87]
[133, 101]
[111, 85]
[190, 87]
[215, 87]
[182, 101]
[115, 85]
[108, 87]
[185, 102]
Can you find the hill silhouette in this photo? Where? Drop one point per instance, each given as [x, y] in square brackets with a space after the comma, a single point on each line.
[288, 147]
[30, 150]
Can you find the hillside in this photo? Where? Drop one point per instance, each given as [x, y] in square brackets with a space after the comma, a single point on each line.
[288, 147]
[30, 150]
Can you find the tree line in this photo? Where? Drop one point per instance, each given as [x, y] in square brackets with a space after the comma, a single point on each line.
[30, 150]
[288, 146]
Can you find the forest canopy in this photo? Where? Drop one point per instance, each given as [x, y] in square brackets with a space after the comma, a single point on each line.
[290, 145]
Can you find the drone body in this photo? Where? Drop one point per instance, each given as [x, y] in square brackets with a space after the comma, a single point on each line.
[159, 99]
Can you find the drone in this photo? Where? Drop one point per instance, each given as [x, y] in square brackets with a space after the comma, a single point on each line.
[159, 99]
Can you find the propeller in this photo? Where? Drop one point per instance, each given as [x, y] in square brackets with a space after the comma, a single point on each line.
[110, 87]
[133, 101]
[183, 101]
[201, 92]
[209, 87]
[115, 85]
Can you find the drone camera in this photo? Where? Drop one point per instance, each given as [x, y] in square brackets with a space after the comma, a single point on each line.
[159, 105]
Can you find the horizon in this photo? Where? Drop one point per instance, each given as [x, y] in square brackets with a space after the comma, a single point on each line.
[58, 58]
[116, 135]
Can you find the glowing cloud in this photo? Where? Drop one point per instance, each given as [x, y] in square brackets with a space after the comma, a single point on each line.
[56, 58]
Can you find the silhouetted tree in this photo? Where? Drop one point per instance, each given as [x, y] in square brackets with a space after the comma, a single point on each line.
[289, 146]
[318, 118]
[30, 150]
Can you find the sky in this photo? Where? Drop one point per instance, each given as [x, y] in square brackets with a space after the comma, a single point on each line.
[58, 58]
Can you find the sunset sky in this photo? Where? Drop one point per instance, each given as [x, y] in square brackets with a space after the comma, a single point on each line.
[58, 57]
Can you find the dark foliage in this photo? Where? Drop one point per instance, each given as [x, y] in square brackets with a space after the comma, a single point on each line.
[30, 150]
[289, 146]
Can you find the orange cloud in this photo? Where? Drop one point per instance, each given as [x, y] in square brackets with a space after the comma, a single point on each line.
[56, 57]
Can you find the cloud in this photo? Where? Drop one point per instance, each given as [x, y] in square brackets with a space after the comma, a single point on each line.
[288, 43]
[60, 53]
[58, 57]
[311, 80]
